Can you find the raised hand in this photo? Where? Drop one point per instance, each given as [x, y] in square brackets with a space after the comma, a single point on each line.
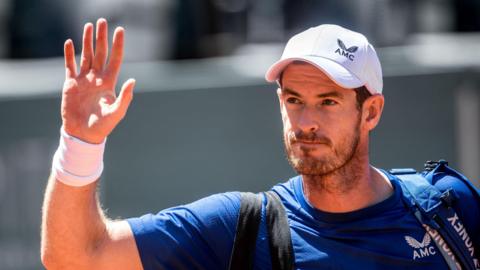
[90, 107]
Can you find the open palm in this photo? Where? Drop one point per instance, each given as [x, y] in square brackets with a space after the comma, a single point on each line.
[90, 107]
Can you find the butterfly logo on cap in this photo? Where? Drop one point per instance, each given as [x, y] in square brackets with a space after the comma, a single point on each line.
[346, 52]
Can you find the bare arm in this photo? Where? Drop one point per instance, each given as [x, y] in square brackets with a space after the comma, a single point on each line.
[75, 232]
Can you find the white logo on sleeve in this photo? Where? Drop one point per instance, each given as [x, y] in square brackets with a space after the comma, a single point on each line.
[421, 249]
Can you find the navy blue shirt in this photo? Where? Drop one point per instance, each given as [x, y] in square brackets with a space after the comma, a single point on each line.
[382, 236]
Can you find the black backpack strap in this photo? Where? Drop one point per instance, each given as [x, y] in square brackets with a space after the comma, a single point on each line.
[280, 243]
[247, 229]
[281, 250]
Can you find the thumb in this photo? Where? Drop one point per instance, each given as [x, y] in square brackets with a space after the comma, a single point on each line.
[124, 98]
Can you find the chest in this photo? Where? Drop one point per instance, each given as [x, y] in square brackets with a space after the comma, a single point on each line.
[367, 244]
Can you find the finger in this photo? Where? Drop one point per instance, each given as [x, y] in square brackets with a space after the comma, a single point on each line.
[116, 57]
[101, 45]
[124, 98]
[87, 50]
[70, 64]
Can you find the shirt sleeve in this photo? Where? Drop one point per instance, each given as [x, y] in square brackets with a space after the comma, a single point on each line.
[198, 235]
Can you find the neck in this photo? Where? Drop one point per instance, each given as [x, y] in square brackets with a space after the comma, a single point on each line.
[354, 186]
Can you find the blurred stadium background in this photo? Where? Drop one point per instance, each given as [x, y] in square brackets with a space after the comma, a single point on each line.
[203, 120]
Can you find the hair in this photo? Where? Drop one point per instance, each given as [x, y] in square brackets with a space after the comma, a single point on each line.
[362, 95]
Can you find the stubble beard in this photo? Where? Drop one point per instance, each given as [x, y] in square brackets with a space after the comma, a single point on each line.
[339, 162]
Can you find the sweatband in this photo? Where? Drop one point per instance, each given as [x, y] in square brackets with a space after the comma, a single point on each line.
[77, 163]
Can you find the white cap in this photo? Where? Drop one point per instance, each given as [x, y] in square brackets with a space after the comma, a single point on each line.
[344, 55]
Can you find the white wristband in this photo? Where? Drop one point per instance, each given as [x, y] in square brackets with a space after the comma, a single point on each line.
[77, 163]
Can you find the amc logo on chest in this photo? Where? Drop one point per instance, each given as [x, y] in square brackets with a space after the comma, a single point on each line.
[421, 249]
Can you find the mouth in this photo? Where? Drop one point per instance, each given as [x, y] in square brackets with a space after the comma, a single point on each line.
[309, 142]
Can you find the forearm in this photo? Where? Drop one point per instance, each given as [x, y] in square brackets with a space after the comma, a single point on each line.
[73, 225]
[75, 233]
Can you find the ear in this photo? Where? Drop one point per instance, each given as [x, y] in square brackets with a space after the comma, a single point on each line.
[372, 111]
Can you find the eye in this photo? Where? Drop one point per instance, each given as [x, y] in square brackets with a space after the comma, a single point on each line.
[329, 102]
[293, 100]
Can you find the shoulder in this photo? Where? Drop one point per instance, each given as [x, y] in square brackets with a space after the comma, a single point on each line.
[290, 193]
[200, 232]
[221, 205]
[206, 212]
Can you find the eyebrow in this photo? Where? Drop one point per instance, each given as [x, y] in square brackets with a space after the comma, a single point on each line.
[323, 95]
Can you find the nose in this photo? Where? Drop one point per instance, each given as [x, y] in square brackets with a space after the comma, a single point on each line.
[308, 120]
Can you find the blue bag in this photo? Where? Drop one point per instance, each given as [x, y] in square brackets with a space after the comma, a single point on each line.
[433, 209]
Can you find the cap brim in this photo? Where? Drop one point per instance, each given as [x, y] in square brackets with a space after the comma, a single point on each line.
[332, 69]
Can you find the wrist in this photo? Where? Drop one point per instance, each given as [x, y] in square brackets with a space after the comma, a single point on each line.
[90, 139]
[76, 162]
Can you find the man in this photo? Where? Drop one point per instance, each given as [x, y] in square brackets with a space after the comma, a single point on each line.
[343, 213]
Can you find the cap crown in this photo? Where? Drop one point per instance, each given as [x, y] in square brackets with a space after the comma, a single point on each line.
[345, 47]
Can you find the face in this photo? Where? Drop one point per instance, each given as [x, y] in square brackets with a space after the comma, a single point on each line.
[321, 121]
